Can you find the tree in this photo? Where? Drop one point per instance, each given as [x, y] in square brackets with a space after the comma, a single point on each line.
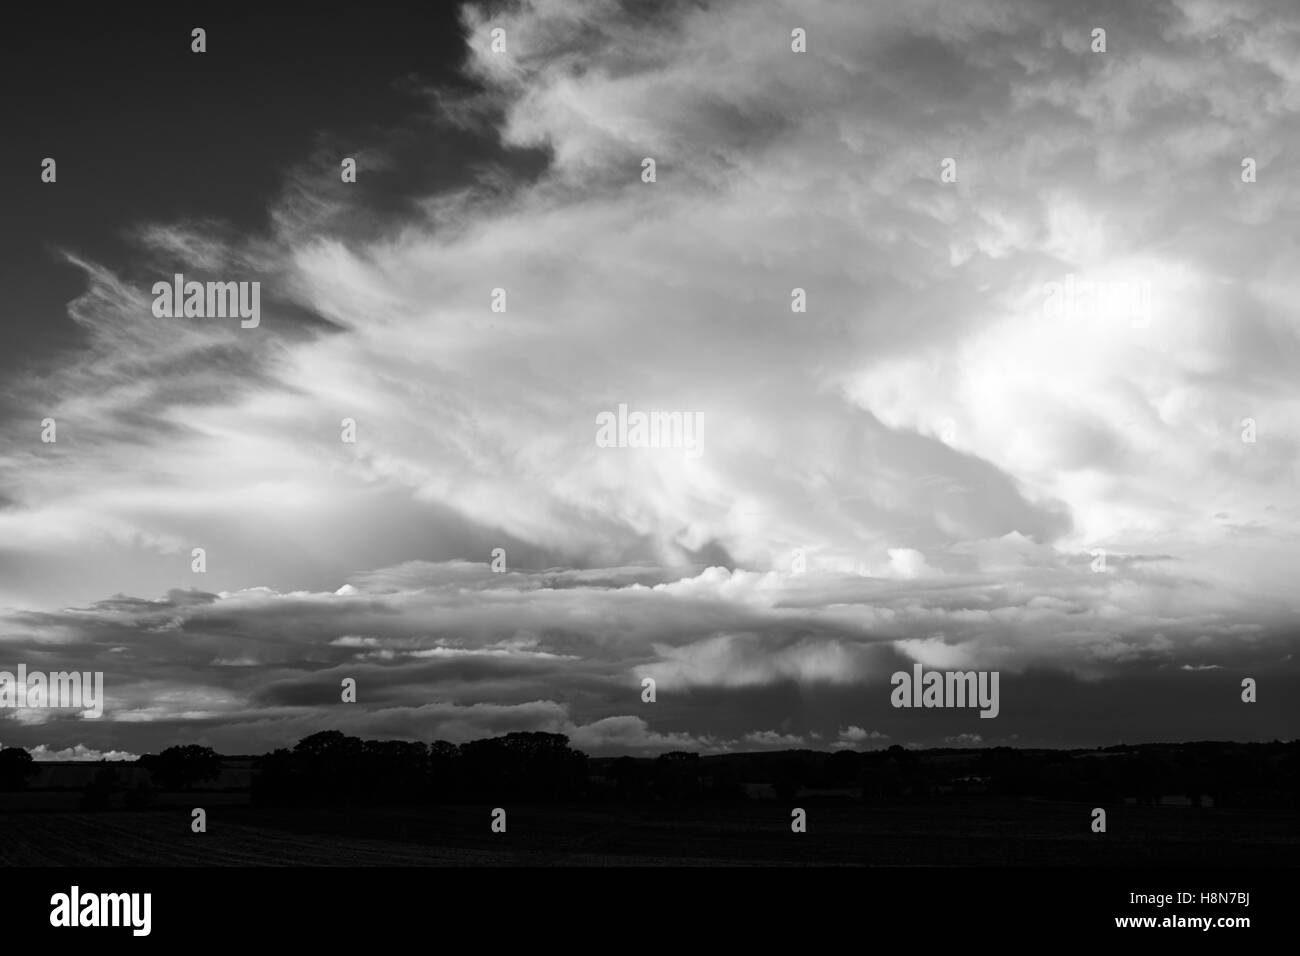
[393, 771]
[276, 782]
[329, 746]
[179, 768]
[523, 765]
[331, 766]
[444, 769]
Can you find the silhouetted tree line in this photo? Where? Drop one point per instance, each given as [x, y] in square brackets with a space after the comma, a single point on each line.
[1232, 775]
[331, 768]
[180, 768]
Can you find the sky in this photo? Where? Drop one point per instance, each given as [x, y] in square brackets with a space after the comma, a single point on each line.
[1037, 416]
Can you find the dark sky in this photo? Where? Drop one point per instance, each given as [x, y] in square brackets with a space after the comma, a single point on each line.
[143, 129]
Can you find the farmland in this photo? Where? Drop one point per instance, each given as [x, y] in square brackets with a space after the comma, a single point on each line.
[957, 832]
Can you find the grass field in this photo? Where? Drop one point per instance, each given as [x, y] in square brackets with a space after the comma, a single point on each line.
[979, 832]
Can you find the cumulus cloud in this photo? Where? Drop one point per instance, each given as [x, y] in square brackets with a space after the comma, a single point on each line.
[771, 739]
[852, 736]
[41, 753]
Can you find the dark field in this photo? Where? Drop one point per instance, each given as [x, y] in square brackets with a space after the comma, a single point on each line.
[953, 833]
